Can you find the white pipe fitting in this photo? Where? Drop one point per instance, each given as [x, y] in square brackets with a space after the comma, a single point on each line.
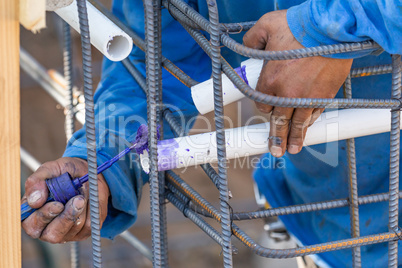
[106, 36]
[203, 93]
[253, 140]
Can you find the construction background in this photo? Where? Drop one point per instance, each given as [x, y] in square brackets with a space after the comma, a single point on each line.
[43, 135]
[38, 113]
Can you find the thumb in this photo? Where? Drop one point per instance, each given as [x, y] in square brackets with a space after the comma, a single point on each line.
[36, 190]
[257, 37]
[35, 187]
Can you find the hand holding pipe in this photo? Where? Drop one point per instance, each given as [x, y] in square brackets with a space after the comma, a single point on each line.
[249, 70]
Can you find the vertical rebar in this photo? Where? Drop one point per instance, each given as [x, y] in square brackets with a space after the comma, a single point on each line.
[75, 254]
[90, 134]
[69, 111]
[394, 162]
[352, 185]
[220, 133]
[152, 67]
[68, 76]
[158, 55]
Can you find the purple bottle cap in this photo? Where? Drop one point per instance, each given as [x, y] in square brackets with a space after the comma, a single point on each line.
[62, 188]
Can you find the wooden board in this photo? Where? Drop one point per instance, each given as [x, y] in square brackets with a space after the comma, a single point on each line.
[33, 14]
[10, 221]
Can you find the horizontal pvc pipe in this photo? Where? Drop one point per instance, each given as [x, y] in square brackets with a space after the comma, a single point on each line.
[106, 36]
[203, 93]
[253, 140]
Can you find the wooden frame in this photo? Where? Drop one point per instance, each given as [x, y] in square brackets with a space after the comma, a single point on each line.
[10, 195]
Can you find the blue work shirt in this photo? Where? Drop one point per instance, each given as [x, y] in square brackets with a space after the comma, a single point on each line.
[317, 173]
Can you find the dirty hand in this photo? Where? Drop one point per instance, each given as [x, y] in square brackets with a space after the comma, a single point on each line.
[54, 222]
[313, 77]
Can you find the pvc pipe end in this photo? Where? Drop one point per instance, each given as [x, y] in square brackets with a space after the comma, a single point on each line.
[144, 160]
[118, 48]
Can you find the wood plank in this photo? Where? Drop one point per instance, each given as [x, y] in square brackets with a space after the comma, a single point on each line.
[10, 217]
[33, 14]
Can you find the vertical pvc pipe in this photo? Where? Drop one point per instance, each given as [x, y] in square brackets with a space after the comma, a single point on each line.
[394, 162]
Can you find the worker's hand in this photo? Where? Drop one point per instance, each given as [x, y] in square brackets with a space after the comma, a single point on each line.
[54, 222]
[313, 77]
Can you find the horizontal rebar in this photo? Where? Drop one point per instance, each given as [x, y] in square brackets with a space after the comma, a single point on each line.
[281, 253]
[282, 101]
[188, 11]
[309, 207]
[371, 70]
[183, 203]
[208, 229]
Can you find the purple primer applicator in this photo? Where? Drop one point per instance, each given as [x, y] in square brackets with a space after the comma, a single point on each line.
[64, 187]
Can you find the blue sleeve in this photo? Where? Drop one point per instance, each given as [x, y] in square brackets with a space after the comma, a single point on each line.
[120, 108]
[324, 22]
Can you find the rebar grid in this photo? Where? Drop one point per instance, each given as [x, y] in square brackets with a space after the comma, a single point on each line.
[188, 200]
[193, 22]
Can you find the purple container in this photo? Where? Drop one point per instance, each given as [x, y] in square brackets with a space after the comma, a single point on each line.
[62, 188]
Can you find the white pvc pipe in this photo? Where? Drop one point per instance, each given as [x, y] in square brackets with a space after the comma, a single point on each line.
[106, 36]
[203, 93]
[253, 140]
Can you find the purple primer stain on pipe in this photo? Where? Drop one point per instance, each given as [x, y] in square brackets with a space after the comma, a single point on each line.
[241, 71]
[167, 154]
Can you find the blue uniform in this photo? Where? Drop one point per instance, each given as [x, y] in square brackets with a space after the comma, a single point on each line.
[317, 173]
